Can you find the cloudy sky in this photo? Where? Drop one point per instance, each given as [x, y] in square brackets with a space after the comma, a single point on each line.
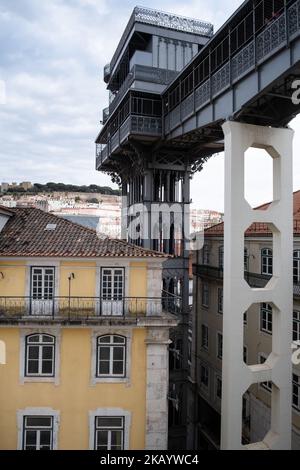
[51, 61]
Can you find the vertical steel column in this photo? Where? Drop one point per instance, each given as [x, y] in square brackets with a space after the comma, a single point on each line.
[238, 295]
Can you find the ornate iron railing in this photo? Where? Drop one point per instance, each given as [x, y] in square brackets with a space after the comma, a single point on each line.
[134, 124]
[164, 20]
[86, 308]
[274, 34]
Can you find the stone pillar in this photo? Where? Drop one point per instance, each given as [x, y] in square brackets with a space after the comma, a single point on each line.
[238, 295]
[157, 389]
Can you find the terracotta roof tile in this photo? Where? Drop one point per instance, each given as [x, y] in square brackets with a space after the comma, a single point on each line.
[25, 235]
[260, 229]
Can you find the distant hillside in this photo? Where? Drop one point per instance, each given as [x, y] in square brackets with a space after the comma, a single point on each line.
[68, 188]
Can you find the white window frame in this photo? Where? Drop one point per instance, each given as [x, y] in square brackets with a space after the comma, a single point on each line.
[107, 331]
[111, 346]
[38, 430]
[296, 325]
[204, 344]
[51, 331]
[40, 345]
[219, 344]
[267, 261]
[35, 412]
[109, 430]
[296, 408]
[265, 311]
[106, 413]
[41, 263]
[51, 294]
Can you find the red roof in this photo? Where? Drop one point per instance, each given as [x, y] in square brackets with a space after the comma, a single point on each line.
[26, 235]
[260, 229]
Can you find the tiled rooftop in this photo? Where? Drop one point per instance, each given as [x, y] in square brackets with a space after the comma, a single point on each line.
[32, 232]
[260, 229]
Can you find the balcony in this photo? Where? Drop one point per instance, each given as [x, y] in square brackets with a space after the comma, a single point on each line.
[147, 126]
[142, 73]
[255, 280]
[86, 309]
[105, 115]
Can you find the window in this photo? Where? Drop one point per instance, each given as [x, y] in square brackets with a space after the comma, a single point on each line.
[265, 385]
[246, 260]
[296, 392]
[112, 292]
[204, 337]
[111, 353]
[42, 283]
[40, 354]
[205, 295]
[296, 267]
[296, 326]
[266, 315]
[245, 318]
[218, 387]
[109, 433]
[245, 354]
[220, 300]
[190, 342]
[267, 261]
[42, 291]
[38, 433]
[221, 257]
[204, 376]
[219, 345]
[206, 255]
[175, 355]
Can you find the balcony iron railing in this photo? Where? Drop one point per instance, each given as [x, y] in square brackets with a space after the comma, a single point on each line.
[163, 20]
[134, 124]
[86, 308]
[212, 272]
[254, 279]
[209, 75]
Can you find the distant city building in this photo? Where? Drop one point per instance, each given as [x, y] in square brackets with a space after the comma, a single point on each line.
[26, 185]
[4, 187]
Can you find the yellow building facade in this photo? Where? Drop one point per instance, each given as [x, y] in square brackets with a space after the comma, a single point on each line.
[86, 333]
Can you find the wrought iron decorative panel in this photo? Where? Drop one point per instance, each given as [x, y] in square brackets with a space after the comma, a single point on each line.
[243, 61]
